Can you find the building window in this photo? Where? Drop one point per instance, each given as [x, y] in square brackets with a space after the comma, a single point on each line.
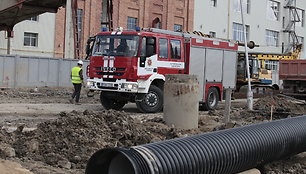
[156, 23]
[273, 10]
[298, 39]
[212, 34]
[163, 48]
[301, 15]
[131, 23]
[245, 6]
[213, 3]
[301, 41]
[34, 18]
[175, 49]
[271, 64]
[272, 38]
[30, 39]
[178, 27]
[238, 32]
[79, 21]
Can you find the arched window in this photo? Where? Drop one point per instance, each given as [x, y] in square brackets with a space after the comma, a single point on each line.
[156, 23]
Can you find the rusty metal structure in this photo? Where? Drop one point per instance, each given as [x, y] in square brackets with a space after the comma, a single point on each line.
[293, 18]
[107, 14]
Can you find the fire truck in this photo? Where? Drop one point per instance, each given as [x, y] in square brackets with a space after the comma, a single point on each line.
[130, 66]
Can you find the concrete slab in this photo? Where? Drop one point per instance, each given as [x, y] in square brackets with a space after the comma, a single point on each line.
[9, 167]
[251, 171]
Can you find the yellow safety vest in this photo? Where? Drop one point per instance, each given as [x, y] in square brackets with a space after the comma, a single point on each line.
[75, 75]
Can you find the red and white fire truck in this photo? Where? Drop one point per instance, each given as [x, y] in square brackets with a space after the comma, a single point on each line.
[130, 66]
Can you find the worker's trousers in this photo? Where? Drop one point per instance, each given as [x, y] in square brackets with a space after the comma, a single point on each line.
[77, 91]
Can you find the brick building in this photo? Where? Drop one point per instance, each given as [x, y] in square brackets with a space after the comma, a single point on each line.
[171, 15]
[89, 23]
[47, 31]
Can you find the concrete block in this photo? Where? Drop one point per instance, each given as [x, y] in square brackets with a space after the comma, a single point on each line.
[251, 171]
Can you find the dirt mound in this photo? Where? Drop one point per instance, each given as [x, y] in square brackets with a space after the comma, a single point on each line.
[70, 140]
[34, 92]
[43, 95]
[282, 107]
[294, 164]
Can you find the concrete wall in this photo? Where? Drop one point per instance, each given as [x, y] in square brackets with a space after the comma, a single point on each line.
[216, 19]
[21, 71]
[45, 27]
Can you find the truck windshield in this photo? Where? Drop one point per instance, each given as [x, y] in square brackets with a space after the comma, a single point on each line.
[116, 45]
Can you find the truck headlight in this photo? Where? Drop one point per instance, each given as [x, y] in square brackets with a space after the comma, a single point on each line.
[90, 83]
[130, 86]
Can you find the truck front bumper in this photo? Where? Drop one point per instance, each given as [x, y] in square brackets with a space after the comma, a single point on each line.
[118, 86]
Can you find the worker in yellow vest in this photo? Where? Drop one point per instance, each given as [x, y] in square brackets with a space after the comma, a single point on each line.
[77, 81]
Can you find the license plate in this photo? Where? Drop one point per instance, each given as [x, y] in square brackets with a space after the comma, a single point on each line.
[106, 84]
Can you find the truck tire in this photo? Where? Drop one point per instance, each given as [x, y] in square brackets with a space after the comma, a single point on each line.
[212, 99]
[110, 103]
[152, 101]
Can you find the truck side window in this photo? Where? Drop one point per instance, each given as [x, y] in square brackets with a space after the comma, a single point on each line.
[150, 46]
[175, 46]
[163, 48]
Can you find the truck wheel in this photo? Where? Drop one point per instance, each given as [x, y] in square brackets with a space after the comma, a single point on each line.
[110, 103]
[212, 99]
[152, 101]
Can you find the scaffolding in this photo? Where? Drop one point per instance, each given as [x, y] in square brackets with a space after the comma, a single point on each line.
[293, 19]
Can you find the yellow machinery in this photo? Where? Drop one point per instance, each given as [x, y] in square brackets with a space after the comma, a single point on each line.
[261, 67]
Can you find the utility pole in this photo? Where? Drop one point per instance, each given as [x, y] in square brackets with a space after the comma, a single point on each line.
[8, 46]
[250, 93]
[228, 18]
[9, 35]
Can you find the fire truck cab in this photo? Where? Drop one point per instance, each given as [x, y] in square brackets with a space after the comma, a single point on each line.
[130, 66]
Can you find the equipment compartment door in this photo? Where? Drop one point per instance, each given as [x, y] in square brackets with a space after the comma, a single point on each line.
[229, 69]
[213, 68]
[197, 64]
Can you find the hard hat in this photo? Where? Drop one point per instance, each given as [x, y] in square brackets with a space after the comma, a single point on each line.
[80, 62]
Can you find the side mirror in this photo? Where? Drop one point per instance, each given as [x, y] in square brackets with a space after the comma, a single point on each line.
[88, 47]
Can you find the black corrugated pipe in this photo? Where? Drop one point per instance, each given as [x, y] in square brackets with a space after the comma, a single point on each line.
[221, 152]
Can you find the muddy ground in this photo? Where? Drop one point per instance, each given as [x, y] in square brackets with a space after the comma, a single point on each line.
[45, 134]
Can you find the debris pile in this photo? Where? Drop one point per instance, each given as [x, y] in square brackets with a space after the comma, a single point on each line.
[42, 95]
[69, 141]
[281, 107]
[66, 143]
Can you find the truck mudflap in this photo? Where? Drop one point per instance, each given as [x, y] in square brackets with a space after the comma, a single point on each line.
[139, 97]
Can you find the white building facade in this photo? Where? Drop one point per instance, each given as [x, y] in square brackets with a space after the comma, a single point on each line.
[33, 37]
[274, 25]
